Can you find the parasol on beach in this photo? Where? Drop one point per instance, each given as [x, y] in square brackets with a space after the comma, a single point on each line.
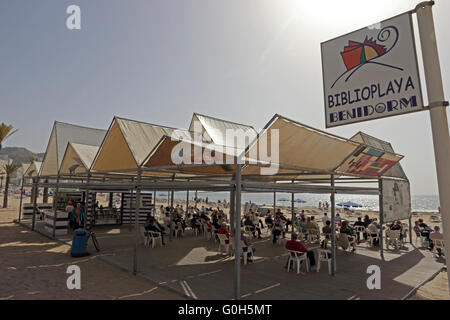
[349, 204]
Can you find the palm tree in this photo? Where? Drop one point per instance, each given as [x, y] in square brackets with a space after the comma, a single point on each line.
[8, 170]
[5, 132]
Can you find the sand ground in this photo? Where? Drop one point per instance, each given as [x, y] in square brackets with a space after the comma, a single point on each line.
[34, 267]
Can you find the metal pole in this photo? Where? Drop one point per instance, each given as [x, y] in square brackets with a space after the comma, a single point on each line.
[274, 202]
[410, 231]
[292, 212]
[86, 204]
[171, 212]
[35, 192]
[187, 200]
[136, 220]
[380, 198]
[21, 197]
[55, 209]
[196, 199]
[237, 236]
[438, 115]
[131, 209]
[233, 211]
[333, 228]
[154, 203]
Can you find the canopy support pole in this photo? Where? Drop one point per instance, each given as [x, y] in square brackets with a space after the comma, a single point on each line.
[410, 229]
[274, 202]
[21, 197]
[35, 193]
[55, 209]
[292, 210]
[187, 200]
[237, 236]
[380, 197]
[154, 203]
[196, 199]
[86, 202]
[333, 228]
[233, 211]
[136, 220]
[171, 211]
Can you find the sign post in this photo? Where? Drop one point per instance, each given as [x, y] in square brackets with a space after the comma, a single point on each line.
[373, 73]
[438, 115]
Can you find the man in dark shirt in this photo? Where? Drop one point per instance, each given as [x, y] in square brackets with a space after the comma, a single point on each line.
[295, 245]
[152, 225]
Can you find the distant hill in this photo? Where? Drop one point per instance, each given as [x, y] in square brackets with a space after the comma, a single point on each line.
[20, 155]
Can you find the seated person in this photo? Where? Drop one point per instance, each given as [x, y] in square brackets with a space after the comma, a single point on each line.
[245, 248]
[359, 223]
[338, 219]
[277, 229]
[249, 223]
[310, 224]
[367, 221]
[215, 223]
[152, 225]
[257, 221]
[295, 245]
[372, 229]
[325, 218]
[223, 230]
[326, 230]
[436, 235]
[424, 229]
[347, 230]
[269, 221]
[286, 220]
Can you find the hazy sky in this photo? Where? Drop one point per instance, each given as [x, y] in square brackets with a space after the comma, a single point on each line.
[161, 60]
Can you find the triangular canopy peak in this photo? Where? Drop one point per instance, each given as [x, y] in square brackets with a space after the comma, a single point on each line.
[61, 135]
[78, 158]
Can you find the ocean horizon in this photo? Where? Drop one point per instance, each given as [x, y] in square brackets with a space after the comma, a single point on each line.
[419, 203]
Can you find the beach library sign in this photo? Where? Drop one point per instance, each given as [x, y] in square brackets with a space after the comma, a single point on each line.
[371, 73]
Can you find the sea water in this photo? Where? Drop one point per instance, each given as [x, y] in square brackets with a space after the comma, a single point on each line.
[420, 203]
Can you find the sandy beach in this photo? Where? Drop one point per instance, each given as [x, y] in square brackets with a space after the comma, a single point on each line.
[35, 267]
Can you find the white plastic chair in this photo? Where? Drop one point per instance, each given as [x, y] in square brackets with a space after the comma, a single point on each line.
[178, 229]
[438, 244]
[207, 231]
[324, 255]
[392, 238]
[249, 230]
[146, 235]
[360, 229]
[420, 238]
[297, 257]
[223, 243]
[245, 254]
[155, 236]
[370, 239]
[312, 235]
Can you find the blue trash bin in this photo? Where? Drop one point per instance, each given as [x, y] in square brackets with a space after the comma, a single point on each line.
[79, 243]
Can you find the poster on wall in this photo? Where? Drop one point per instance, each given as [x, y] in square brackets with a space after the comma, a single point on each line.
[396, 200]
[371, 73]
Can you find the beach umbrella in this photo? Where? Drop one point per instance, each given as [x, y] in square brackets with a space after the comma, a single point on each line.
[349, 204]
[299, 201]
[284, 199]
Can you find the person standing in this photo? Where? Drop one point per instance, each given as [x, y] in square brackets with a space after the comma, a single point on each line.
[77, 217]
